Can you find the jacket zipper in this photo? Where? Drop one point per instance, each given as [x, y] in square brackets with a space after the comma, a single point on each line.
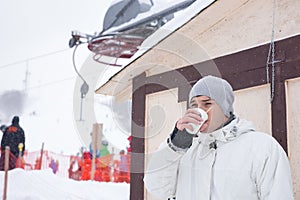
[212, 171]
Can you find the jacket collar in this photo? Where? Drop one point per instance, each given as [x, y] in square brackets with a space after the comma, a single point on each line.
[225, 134]
[230, 131]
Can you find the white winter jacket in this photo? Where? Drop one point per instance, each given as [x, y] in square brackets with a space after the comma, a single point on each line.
[246, 165]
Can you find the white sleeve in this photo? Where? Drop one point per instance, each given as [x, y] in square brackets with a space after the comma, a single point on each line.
[274, 179]
[161, 174]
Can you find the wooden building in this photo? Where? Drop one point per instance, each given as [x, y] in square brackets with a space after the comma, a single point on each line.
[230, 39]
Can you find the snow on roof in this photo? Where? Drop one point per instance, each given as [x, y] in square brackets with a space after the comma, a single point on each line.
[157, 8]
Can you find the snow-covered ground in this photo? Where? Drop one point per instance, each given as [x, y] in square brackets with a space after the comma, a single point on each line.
[44, 185]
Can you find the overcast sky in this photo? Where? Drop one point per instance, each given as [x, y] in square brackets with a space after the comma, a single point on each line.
[38, 79]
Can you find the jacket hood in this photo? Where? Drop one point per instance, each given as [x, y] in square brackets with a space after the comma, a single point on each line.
[15, 121]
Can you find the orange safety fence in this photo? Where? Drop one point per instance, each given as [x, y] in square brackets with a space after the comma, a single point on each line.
[32, 161]
[109, 168]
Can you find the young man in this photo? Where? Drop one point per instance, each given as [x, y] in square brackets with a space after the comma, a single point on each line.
[225, 160]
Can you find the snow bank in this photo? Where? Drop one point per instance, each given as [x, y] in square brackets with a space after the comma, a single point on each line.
[43, 184]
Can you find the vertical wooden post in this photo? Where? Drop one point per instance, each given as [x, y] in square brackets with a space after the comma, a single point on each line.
[41, 157]
[278, 106]
[6, 165]
[138, 139]
[96, 145]
[112, 169]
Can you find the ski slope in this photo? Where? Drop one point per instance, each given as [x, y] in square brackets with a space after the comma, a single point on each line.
[44, 185]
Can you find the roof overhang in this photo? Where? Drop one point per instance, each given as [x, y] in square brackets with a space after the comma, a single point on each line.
[200, 34]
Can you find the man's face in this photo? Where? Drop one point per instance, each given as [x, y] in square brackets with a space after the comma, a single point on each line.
[216, 117]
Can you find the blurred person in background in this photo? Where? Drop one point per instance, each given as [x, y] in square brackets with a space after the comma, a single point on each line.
[12, 137]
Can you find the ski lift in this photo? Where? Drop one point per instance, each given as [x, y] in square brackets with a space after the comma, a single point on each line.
[124, 29]
[122, 45]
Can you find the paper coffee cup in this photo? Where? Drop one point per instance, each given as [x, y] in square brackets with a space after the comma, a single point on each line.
[196, 127]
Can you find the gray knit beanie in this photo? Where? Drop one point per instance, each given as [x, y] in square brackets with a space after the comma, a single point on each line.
[217, 89]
